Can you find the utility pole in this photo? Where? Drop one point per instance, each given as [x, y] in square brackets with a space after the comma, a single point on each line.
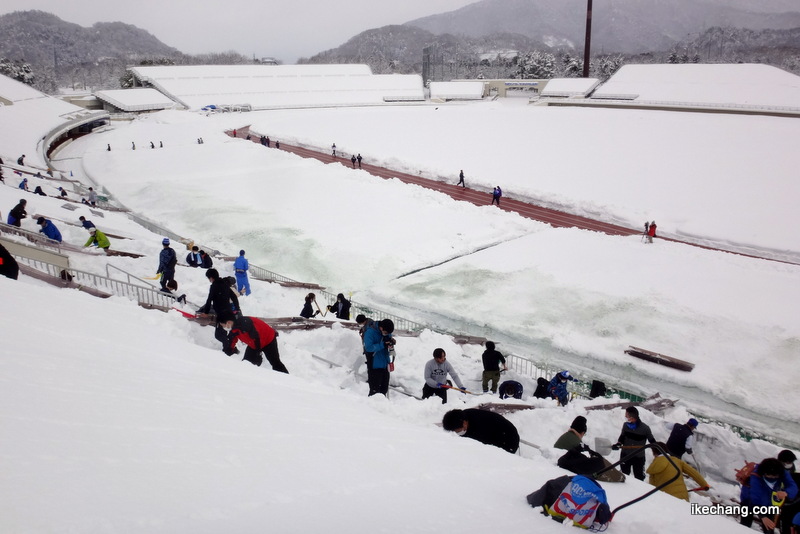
[588, 43]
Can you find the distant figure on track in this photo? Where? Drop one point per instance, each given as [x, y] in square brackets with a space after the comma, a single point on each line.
[333, 150]
[359, 158]
[353, 160]
[651, 232]
[496, 194]
[461, 179]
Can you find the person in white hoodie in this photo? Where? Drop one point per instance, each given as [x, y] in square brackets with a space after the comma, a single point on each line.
[436, 371]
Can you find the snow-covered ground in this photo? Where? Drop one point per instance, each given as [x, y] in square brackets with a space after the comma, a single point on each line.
[561, 295]
[118, 419]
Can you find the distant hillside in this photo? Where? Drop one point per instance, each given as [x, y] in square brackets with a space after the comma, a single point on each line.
[629, 26]
[399, 49]
[33, 36]
[63, 54]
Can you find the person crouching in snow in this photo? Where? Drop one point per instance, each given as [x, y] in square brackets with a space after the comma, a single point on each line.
[558, 387]
[484, 426]
[256, 334]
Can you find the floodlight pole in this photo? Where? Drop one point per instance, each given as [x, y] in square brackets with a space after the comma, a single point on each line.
[588, 43]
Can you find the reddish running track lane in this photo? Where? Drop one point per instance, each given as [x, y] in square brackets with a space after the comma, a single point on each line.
[479, 198]
[550, 216]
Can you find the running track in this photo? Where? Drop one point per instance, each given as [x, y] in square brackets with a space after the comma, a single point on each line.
[550, 216]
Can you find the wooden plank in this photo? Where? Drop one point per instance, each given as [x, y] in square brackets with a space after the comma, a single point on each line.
[661, 359]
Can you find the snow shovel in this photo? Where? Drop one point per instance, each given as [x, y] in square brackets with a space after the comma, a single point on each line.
[602, 446]
[459, 389]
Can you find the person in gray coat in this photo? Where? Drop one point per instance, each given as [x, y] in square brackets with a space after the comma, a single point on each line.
[436, 371]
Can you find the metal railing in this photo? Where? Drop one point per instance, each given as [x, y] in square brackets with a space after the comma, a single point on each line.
[145, 296]
[259, 273]
[34, 237]
[400, 323]
[578, 388]
[128, 275]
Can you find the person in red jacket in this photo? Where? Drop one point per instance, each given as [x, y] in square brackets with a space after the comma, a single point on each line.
[651, 232]
[256, 334]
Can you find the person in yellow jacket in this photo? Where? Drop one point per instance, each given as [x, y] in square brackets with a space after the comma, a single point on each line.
[98, 239]
[661, 471]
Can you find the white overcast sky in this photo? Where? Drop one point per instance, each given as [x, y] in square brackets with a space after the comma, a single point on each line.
[285, 30]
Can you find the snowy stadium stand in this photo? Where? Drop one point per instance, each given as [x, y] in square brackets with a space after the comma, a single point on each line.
[279, 86]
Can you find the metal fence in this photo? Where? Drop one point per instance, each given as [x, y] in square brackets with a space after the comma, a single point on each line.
[38, 239]
[145, 296]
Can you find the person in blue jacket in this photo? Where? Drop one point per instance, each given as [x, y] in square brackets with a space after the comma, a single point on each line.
[49, 229]
[166, 264]
[85, 222]
[241, 266]
[378, 340]
[558, 387]
[770, 485]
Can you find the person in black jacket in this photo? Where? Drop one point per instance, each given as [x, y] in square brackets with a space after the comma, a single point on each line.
[8, 265]
[193, 258]
[17, 213]
[221, 298]
[681, 438]
[205, 260]
[634, 434]
[491, 367]
[341, 307]
[308, 311]
[166, 264]
[484, 426]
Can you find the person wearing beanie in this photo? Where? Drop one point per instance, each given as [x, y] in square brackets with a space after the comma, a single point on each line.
[221, 298]
[435, 375]
[491, 367]
[167, 261]
[98, 239]
[482, 425]
[681, 437]
[574, 436]
[49, 229]
[557, 389]
[241, 266]
[661, 471]
[635, 434]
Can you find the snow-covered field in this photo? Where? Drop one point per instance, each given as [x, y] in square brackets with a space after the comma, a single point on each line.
[117, 419]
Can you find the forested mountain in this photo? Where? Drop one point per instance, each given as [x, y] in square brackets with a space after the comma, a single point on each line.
[41, 49]
[618, 26]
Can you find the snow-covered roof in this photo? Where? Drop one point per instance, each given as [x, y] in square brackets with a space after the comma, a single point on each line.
[566, 87]
[34, 113]
[279, 86]
[13, 90]
[143, 99]
[457, 90]
[741, 85]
